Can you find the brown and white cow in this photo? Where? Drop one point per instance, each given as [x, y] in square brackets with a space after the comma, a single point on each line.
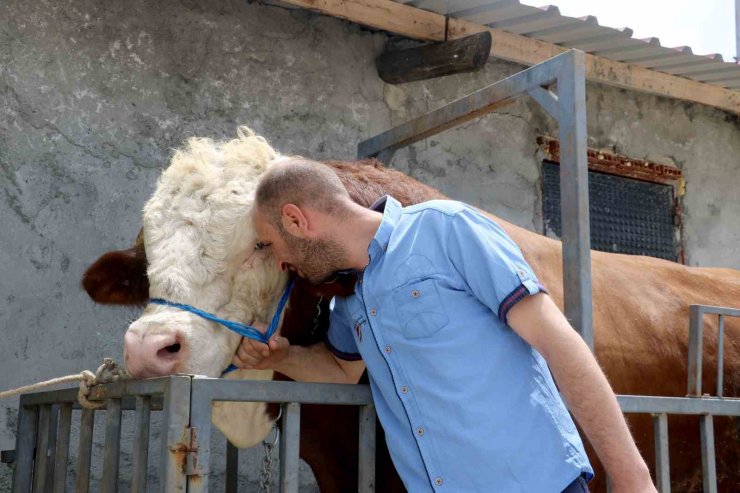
[197, 249]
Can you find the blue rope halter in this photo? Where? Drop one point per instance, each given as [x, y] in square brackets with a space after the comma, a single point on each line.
[243, 330]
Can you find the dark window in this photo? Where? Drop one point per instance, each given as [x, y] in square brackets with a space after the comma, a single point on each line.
[627, 215]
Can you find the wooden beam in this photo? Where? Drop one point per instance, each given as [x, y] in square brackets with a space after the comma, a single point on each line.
[415, 23]
[433, 60]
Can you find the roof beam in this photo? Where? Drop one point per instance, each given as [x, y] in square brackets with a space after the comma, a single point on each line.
[415, 23]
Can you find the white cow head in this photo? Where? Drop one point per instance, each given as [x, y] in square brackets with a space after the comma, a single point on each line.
[200, 247]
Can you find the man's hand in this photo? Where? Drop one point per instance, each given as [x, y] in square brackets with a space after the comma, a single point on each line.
[255, 355]
[304, 364]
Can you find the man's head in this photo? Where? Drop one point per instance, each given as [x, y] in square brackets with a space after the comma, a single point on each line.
[297, 202]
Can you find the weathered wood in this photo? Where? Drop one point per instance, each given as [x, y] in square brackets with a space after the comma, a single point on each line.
[462, 55]
[415, 23]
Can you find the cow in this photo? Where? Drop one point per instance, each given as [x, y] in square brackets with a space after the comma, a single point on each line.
[197, 248]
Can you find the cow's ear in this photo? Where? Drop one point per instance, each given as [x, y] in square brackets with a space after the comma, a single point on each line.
[118, 278]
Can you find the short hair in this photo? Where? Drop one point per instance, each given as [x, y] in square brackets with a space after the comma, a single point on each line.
[302, 182]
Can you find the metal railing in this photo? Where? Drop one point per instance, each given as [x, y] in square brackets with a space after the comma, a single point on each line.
[43, 438]
[45, 418]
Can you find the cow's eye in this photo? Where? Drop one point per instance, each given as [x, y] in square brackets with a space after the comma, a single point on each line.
[261, 246]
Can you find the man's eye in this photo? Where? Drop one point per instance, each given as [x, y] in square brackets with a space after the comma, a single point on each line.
[261, 246]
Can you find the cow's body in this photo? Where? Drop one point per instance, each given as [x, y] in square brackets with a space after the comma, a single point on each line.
[640, 312]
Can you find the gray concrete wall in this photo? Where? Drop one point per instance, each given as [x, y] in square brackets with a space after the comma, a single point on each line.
[93, 95]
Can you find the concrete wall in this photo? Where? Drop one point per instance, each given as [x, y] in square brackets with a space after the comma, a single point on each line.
[94, 95]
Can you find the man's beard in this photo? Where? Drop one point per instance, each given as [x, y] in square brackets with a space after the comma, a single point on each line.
[319, 259]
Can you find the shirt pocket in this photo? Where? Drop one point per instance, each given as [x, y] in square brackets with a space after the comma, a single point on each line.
[419, 308]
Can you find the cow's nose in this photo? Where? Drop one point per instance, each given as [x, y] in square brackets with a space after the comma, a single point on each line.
[152, 355]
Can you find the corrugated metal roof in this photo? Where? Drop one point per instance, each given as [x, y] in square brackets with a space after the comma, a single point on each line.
[585, 33]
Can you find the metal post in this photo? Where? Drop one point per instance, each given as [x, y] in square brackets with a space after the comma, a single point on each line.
[198, 463]
[696, 316]
[112, 450]
[175, 436]
[42, 448]
[366, 453]
[62, 451]
[576, 235]
[232, 468]
[720, 355]
[662, 462]
[24, 443]
[141, 444]
[709, 467]
[84, 451]
[290, 439]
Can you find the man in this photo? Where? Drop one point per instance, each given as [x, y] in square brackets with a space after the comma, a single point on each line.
[455, 332]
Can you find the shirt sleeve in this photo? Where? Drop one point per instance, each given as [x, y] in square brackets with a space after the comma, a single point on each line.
[339, 338]
[490, 262]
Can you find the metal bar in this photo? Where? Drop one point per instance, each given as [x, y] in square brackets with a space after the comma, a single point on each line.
[366, 452]
[720, 355]
[42, 449]
[696, 325]
[62, 449]
[662, 461]
[709, 467]
[141, 444]
[25, 440]
[576, 235]
[467, 108]
[82, 483]
[720, 310]
[386, 156]
[117, 390]
[232, 468]
[175, 436]
[112, 450]
[636, 404]
[198, 464]
[51, 448]
[547, 99]
[290, 440]
[272, 391]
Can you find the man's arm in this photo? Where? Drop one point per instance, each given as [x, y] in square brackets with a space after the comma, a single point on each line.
[589, 396]
[304, 364]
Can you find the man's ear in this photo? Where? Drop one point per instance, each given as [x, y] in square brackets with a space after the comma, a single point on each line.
[294, 220]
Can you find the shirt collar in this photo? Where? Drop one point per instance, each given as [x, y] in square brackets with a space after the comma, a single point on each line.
[391, 209]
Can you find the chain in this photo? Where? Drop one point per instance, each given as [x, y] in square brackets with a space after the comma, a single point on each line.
[267, 460]
[315, 327]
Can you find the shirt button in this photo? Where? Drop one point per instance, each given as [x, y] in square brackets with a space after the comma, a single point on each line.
[385, 247]
[387, 349]
[405, 390]
[438, 481]
[420, 431]
[373, 312]
[415, 293]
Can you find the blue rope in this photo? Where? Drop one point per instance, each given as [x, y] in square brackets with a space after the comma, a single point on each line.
[242, 329]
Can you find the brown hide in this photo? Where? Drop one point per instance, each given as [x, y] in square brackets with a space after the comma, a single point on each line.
[641, 319]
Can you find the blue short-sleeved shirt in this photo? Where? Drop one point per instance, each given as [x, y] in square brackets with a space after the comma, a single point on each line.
[466, 404]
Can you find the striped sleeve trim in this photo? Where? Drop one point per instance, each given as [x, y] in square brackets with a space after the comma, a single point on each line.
[341, 354]
[517, 295]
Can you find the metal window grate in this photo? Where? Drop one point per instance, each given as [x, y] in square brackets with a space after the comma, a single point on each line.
[627, 215]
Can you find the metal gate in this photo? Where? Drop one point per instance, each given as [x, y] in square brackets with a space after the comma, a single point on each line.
[45, 421]
[42, 443]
